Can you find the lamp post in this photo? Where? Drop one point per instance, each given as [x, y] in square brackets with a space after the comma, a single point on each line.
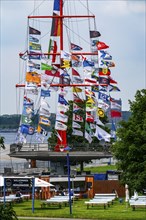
[67, 149]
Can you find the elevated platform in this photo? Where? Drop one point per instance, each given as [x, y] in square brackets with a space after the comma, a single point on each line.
[43, 153]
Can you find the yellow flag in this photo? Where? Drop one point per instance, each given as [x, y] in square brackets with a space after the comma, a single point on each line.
[66, 64]
[100, 112]
[90, 100]
[76, 89]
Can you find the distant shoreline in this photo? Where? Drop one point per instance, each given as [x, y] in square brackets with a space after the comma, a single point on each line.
[8, 130]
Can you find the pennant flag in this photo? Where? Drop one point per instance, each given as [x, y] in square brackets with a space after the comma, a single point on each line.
[76, 89]
[55, 30]
[105, 55]
[44, 121]
[94, 34]
[88, 137]
[33, 39]
[77, 79]
[102, 134]
[33, 77]
[95, 88]
[56, 6]
[45, 66]
[60, 126]
[77, 132]
[26, 120]
[45, 93]
[34, 56]
[100, 112]
[62, 100]
[76, 108]
[75, 47]
[27, 129]
[77, 118]
[112, 80]
[53, 73]
[87, 127]
[113, 88]
[34, 46]
[33, 65]
[62, 117]
[77, 99]
[104, 71]
[90, 100]
[76, 125]
[104, 97]
[104, 80]
[65, 63]
[89, 117]
[52, 49]
[58, 135]
[62, 107]
[34, 31]
[113, 130]
[99, 122]
[101, 45]
[90, 81]
[115, 106]
[87, 63]
[75, 73]
[65, 55]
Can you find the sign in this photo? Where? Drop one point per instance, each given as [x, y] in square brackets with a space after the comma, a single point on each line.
[18, 182]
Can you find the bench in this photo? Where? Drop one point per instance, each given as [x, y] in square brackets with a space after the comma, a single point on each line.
[138, 204]
[92, 203]
[57, 200]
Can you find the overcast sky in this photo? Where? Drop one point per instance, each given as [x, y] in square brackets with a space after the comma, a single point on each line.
[121, 24]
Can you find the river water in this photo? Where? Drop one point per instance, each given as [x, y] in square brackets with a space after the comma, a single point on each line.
[7, 162]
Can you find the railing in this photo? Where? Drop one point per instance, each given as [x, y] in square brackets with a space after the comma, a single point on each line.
[50, 147]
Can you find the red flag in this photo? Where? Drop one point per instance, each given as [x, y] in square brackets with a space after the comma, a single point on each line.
[101, 45]
[104, 71]
[75, 73]
[52, 73]
[115, 114]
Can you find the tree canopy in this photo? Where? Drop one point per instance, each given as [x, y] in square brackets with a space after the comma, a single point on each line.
[130, 147]
[2, 144]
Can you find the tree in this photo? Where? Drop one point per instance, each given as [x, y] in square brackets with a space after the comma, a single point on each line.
[130, 147]
[78, 142]
[2, 145]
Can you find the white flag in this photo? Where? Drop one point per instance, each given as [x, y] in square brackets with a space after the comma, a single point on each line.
[76, 125]
[88, 137]
[102, 134]
[77, 132]
[60, 126]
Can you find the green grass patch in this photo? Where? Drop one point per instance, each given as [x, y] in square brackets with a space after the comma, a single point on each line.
[117, 211]
[100, 169]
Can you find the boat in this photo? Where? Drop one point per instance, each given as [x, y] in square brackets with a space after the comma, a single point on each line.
[67, 89]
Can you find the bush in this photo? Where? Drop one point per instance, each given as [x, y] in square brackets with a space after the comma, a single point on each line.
[7, 212]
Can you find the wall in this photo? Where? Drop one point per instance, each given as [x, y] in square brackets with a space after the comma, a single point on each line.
[107, 186]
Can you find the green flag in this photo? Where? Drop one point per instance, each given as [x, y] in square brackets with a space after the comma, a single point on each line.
[45, 66]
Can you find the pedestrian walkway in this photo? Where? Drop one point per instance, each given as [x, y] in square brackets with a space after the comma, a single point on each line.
[45, 218]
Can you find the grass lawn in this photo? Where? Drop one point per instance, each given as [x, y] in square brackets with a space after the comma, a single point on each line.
[117, 211]
[100, 169]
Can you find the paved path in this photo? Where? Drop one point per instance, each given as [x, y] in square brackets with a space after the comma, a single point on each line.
[43, 218]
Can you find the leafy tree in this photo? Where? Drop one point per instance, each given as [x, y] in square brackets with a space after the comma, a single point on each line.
[2, 145]
[130, 148]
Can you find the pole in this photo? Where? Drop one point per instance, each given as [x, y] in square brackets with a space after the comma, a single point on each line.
[69, 191]
[33, 192]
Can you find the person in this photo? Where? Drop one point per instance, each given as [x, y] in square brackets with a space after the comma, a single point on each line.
[18, 195]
